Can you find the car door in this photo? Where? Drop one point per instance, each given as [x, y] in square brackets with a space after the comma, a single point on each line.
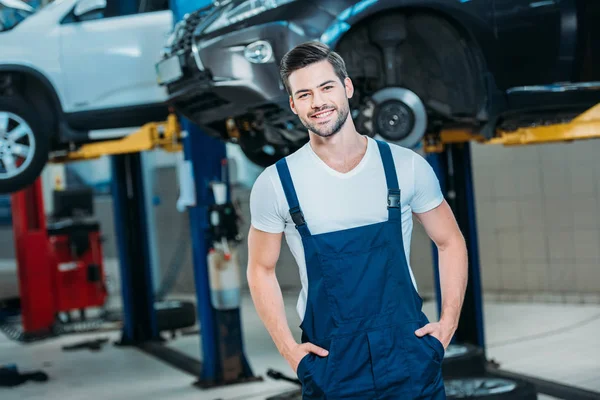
[108, 61]
[529, 42]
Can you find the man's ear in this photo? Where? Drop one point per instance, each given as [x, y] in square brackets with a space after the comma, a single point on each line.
[292, 106]
[349, 87]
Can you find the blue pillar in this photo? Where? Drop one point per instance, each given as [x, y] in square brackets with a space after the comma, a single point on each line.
[206, 154]
[454, 170]
[139, 317]
[222, 339]
[223, 359]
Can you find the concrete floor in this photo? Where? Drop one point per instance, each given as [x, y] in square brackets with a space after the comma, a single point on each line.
[551, 341]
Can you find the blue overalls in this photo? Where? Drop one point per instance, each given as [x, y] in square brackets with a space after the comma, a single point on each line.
[363, 308]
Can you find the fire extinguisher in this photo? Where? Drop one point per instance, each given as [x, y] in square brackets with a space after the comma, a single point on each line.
[223, 258]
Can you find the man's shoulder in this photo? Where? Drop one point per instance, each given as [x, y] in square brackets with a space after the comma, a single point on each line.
[402, 155]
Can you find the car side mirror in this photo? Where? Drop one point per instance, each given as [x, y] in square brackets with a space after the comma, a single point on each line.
[86, 8]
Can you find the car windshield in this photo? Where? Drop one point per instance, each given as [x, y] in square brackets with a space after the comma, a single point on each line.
[12, 13]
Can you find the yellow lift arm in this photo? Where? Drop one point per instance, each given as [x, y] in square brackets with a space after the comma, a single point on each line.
[165, 135]
[584, 126]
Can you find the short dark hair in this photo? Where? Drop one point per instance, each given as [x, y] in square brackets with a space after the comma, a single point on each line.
[309, 53]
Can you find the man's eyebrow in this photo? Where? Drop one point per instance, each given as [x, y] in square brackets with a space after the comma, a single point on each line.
[321, 85]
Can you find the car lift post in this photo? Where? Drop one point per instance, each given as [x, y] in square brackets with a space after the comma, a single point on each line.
[224, 359]
[139, 320]
[454, 171]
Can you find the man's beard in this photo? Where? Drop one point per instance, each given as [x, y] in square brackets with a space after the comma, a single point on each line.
[329, 130]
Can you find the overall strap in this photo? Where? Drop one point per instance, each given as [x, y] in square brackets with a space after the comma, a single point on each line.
[292, 198]
[391, 179]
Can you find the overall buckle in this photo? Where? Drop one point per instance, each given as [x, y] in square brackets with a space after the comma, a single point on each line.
[297, 216]
[394, 198]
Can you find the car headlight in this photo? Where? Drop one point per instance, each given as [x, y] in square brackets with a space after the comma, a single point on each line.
[235, 13]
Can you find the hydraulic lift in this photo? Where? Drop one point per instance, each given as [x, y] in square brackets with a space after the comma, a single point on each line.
[449, 153]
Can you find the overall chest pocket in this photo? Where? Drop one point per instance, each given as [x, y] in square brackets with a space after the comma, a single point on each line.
[360, 284]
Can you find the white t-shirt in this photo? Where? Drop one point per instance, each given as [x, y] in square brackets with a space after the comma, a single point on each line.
[333, 201]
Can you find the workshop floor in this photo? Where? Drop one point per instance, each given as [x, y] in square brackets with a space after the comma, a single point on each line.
[552, 341]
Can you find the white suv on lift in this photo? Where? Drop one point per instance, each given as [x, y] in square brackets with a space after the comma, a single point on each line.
[73, 72]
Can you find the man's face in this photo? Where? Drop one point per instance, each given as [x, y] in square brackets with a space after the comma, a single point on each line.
[319, 98]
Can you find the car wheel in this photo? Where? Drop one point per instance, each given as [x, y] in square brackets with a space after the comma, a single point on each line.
[23, 145]
[463, 360]
[395, 115]
[417, 78]
[489, 387]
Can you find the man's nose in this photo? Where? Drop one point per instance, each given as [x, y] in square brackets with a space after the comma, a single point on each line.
[317, 100]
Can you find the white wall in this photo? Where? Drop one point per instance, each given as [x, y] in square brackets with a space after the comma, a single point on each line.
[538, 211]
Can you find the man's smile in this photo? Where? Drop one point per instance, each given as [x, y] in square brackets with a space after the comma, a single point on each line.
[323, 115]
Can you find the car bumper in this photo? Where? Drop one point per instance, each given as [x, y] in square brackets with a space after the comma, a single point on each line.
[221, 82]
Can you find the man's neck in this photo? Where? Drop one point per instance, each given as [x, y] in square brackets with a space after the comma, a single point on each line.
[342, 151]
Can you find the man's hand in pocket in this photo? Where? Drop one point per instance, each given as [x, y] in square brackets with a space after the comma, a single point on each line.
[296, 354]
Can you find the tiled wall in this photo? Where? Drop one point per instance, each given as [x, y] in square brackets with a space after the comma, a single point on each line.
[538, 219]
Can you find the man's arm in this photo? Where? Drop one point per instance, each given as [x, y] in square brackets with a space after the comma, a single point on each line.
[263, 253]
[441, 226]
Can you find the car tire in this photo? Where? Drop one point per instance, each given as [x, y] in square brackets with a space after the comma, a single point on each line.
[463, 360]
[489, 387]
[24, 154]
[172, 315]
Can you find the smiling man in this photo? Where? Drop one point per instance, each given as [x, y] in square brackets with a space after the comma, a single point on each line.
[345, 203]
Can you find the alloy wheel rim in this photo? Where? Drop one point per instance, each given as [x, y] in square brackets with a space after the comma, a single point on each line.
[17, 145]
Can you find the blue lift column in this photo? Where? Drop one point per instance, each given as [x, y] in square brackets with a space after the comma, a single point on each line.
[223, 357]
[139, 319]
[454, 170]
